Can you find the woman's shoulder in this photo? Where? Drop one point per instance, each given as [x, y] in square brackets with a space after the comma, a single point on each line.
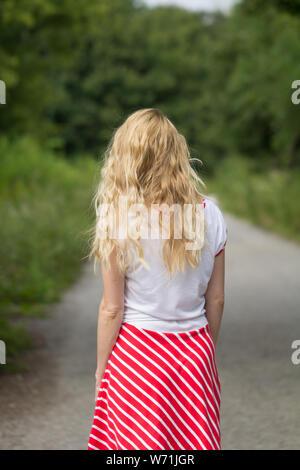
[217, 224]
[211, 205]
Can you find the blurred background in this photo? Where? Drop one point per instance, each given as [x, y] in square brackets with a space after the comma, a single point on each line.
[223, 72]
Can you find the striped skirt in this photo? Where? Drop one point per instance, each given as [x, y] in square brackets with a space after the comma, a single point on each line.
[160, 391]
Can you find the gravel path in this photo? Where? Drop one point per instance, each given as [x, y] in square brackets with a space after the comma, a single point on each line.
[51, 406]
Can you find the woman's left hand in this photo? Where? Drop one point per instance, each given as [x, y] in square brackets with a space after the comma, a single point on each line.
[98, 378]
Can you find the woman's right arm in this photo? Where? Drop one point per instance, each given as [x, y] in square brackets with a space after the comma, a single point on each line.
[215, 297]
[110, 316]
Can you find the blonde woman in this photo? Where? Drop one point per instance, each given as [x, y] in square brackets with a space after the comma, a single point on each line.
[157, 384]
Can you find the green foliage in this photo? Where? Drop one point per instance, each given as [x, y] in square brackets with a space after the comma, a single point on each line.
[268, 199]
[74, 73]
[37, 43]
[16, 339]
[45, 204]
[263, 121]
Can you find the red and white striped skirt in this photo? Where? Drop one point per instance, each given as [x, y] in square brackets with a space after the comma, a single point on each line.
[160, 391]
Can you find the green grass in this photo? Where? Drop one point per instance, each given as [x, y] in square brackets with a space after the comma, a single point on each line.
[45, 211]
[268, 198]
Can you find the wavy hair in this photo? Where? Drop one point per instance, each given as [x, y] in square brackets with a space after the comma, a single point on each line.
[147, 162]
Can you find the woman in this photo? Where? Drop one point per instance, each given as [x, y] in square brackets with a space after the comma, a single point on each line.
[157, 384]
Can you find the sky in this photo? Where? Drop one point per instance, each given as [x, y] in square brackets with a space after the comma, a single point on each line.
[207, 5]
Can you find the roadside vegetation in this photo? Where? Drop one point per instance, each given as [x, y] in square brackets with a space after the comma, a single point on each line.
[45, 213]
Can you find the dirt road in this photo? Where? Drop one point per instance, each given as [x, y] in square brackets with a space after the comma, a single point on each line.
[51, 407]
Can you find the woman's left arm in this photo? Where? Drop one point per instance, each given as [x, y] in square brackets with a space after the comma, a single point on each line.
[110, 316]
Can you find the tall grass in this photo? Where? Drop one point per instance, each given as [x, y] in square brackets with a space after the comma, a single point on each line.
[45, 210]
[269, 198]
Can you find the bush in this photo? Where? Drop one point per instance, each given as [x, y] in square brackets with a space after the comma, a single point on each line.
[45, 209]
[268, 198]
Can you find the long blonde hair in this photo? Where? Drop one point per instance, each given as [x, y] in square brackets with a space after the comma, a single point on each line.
[148, 162]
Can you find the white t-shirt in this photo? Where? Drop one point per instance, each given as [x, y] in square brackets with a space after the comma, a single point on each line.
[153, 301]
